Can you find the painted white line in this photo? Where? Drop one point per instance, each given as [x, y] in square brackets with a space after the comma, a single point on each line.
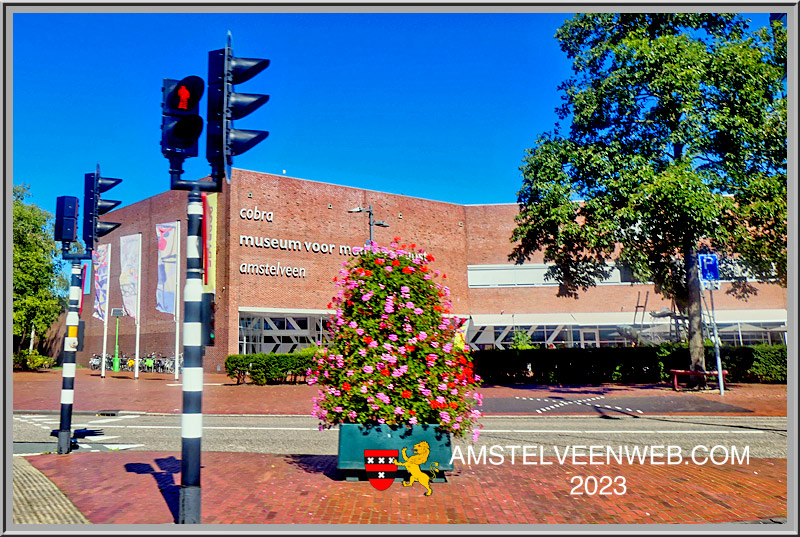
[109, 420]
[99, 438]
[120, 446]
[204, 384]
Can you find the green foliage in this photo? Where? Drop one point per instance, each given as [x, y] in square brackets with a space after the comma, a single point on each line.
[268, 368]
[667, 151]
[39, 289]
[769, 363]
[395, 358]
[521, 340]
[643, 364]
[26, 360]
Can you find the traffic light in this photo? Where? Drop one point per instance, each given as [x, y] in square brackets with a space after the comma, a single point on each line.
[94, 206]
[224, 106]
[209, 309]
[181, 124]
[66, 228]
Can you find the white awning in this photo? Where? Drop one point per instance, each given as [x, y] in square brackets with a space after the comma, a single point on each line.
[618, 318]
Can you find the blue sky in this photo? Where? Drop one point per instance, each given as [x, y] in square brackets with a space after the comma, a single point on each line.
[438, 106]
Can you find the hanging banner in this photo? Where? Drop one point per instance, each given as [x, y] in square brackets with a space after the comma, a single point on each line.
[210, 278]
[101, 261]
[460, 340]
[130, 248]
[167, 266]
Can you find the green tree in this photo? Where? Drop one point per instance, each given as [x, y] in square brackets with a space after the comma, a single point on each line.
[39, 285]
[676, 144]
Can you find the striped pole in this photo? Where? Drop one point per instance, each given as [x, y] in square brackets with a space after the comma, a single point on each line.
[68, 365]
[192, 417]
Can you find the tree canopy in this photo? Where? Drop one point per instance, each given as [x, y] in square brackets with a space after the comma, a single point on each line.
[38, 284]
[676, 143]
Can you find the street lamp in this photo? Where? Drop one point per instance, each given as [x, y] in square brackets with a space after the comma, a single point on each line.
[372, 222]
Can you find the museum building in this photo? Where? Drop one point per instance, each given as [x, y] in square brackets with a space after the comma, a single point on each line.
[279, 241]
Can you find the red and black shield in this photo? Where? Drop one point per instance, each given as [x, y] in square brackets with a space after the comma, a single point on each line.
[380, 467]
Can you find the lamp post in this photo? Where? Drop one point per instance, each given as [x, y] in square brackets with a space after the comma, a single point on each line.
[372, 221]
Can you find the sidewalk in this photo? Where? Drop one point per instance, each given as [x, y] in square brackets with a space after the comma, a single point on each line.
[160, 393]
[134, 487]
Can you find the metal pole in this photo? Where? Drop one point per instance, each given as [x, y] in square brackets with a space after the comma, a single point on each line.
[105, 346]
[116, 349]
[370, 224]
[716, 341]
[68, 365]
[177, 294]
[192, 417]
[138, 309]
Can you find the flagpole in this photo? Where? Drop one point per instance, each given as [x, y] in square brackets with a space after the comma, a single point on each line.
[138, 307]
[105, 313]
[177, 294]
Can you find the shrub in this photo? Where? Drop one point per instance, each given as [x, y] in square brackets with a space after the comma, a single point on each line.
[769, 363]
[237, 367]
[32, 361]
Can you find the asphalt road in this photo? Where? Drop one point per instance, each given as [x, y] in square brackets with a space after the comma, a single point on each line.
[549, 435]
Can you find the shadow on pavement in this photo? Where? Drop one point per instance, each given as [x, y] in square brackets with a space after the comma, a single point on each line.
[317, 464]
[165, 480]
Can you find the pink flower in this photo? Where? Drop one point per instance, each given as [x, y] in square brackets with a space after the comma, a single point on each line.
[418, 311]
[368, 369]
[475, 434]
[337, 409]
[352, 414]
[398, 410]
[360, 331]
[362, 351]
[393, 337]
[422, 336]
[353, 324]
[363, 388]
[413, 421]
[447, 347]
[373, 344]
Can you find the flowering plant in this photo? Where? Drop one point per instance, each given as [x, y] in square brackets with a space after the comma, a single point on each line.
[395, 356]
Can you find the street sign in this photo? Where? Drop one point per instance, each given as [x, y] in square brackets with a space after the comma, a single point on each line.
[709, 269]
[117, 312]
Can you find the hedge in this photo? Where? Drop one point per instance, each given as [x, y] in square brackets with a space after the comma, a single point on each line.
[269, 368]
[643, 364]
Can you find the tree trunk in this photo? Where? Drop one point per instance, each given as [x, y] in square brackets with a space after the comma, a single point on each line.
[33, 336]
[694, 312]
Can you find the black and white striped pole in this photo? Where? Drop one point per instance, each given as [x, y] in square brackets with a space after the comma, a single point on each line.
[192, 417]
[68, 364]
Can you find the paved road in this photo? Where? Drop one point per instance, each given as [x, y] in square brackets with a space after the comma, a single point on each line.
[762, 436]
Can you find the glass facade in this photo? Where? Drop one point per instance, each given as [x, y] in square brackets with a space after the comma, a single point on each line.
[280, 333]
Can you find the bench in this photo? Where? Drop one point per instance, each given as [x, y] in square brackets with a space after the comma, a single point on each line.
[683, 372]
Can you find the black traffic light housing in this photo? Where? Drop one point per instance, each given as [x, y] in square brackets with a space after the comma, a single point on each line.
[181, 123]
[222, 140]
[66, 226]
[93, 229]
[209, 309]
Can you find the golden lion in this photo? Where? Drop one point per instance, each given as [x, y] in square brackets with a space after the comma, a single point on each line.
[421, 452]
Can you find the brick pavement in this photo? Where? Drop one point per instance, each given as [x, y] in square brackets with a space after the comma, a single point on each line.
[247, 488]
[142, 487]
[152, 393]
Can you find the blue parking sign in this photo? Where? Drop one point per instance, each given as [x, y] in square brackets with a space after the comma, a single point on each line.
[709, 270]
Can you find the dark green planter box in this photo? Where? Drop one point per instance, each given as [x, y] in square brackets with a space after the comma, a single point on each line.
[355, 438]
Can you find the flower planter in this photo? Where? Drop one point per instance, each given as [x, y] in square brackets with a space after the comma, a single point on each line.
[355, 438]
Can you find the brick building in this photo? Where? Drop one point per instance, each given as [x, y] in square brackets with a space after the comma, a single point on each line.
[281, 240]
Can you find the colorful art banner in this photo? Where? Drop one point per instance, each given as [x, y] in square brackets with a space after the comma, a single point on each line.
[210, 277]
[167, 235]
[130, 249]
[101, 261]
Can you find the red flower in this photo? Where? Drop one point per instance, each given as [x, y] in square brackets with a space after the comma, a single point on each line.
[408, 270]
[453, 405]
[367, 273]
[346, 386]
[412, 412]
[367, 339]
[395, 262]
[413, 245]
[330, 305]
[385, 372]
[444, 275]
[424, 268]
[462, 360]
[396, 239]
[410, 348]
[379, 261]
[429, 257]
[437, 307]
[406, 394]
